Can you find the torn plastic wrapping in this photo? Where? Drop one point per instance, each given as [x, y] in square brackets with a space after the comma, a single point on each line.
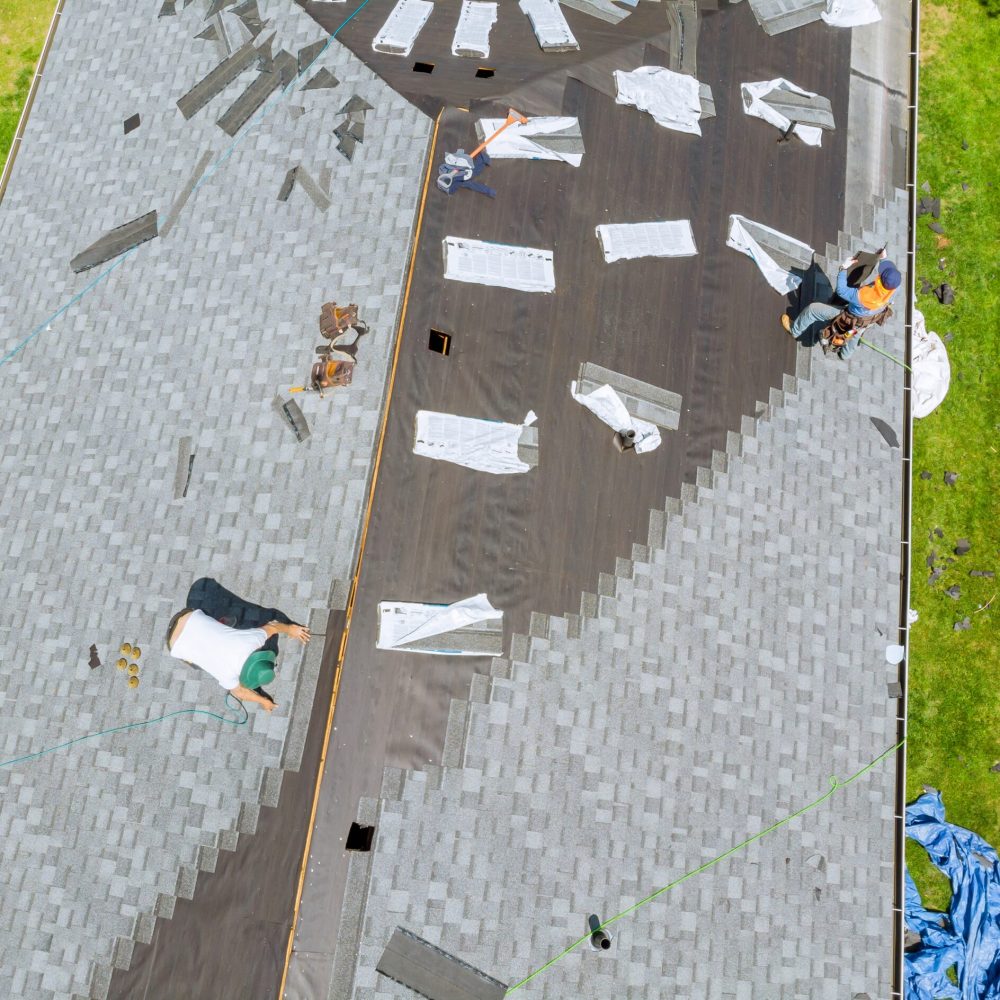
[777, 277]
[931, 368]
[472, 33]
[401, 27]
[755, 106]
[850, 13]
[609, 407]
[629, 241]
[524, 269]
[483, 445]
[673, 99]
[402, 624]
[518, 141]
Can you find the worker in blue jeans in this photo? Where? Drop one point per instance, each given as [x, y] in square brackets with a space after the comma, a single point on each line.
[865, 306]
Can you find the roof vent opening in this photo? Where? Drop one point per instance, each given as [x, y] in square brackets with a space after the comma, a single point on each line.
[600, 939]
[359, 838]
[484, 73]
[439, 343]
[422, 67]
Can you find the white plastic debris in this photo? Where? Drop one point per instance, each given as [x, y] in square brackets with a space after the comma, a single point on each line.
[931, 368]
[673, 99]
[484, 445]
[609, 407]
[549, 25]
[755, 106]
[472, 34]
[912, 617]
[850, 13]
[517, 141]
[522, 268]
[777, 277]
[402, 26]
[627, 241]
[400, 625]
[894, 655]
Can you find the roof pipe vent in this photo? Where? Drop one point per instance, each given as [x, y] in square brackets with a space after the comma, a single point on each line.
[600, 939]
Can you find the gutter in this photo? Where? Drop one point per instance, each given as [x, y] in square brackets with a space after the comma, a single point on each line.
[22, 122]
[899, 819]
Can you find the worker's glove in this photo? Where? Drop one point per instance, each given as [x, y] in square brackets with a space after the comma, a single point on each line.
[849, 263]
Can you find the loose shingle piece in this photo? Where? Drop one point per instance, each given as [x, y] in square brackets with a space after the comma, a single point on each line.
[954, 592]
[950, 478]
[944, 293]
[116, 242]
[888, 434]
[962, 546]
[964, 625]
[323, 80]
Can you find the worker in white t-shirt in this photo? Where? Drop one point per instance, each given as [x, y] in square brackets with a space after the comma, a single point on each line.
[221, 651]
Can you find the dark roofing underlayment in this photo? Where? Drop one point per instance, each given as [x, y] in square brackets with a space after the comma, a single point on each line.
[601, 732]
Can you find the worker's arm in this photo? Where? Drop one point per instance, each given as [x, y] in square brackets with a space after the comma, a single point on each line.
[245, 694]
[844, 290]
[299, 632]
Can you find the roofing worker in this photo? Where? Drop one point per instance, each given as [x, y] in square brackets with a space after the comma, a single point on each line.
[232, 656]
[867, 305]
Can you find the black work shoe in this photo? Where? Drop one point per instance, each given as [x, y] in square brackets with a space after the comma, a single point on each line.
[263, 694]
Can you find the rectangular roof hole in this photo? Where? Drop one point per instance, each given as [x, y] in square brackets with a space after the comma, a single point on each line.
[359, 838]
[484, 73]
[439, 343]
[422, 67]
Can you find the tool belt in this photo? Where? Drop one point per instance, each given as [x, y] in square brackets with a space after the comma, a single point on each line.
[845, 325]
[334, 319]
[326, 374]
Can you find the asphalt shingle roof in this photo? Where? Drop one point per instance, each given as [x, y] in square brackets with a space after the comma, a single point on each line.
[192, 336]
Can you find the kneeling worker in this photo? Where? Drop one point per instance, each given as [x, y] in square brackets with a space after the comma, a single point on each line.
[232, 656]
[867, 305]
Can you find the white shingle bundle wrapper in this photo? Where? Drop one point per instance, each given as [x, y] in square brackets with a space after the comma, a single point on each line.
[755, 106]
[522, 268]
[626, 241]
[472, 33]
[549, 25]
[401, 624]
[780, 279]
[518, 141]
[850, 13]
[931, 368]
[402, 26]
[673, 99]
[609, 407]
[483, 445]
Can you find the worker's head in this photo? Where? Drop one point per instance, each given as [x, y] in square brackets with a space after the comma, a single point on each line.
[889, 276]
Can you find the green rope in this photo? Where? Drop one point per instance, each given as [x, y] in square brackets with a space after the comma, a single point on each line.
[886, 354]
[135, 725]
[834, 785]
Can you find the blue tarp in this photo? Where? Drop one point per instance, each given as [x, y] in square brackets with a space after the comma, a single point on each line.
[968, 936]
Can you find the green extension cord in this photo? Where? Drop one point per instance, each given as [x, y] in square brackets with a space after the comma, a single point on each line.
[136, 725]
[834, 786]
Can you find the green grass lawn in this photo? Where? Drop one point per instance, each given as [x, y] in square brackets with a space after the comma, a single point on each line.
[954, 693]
[23, 24]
